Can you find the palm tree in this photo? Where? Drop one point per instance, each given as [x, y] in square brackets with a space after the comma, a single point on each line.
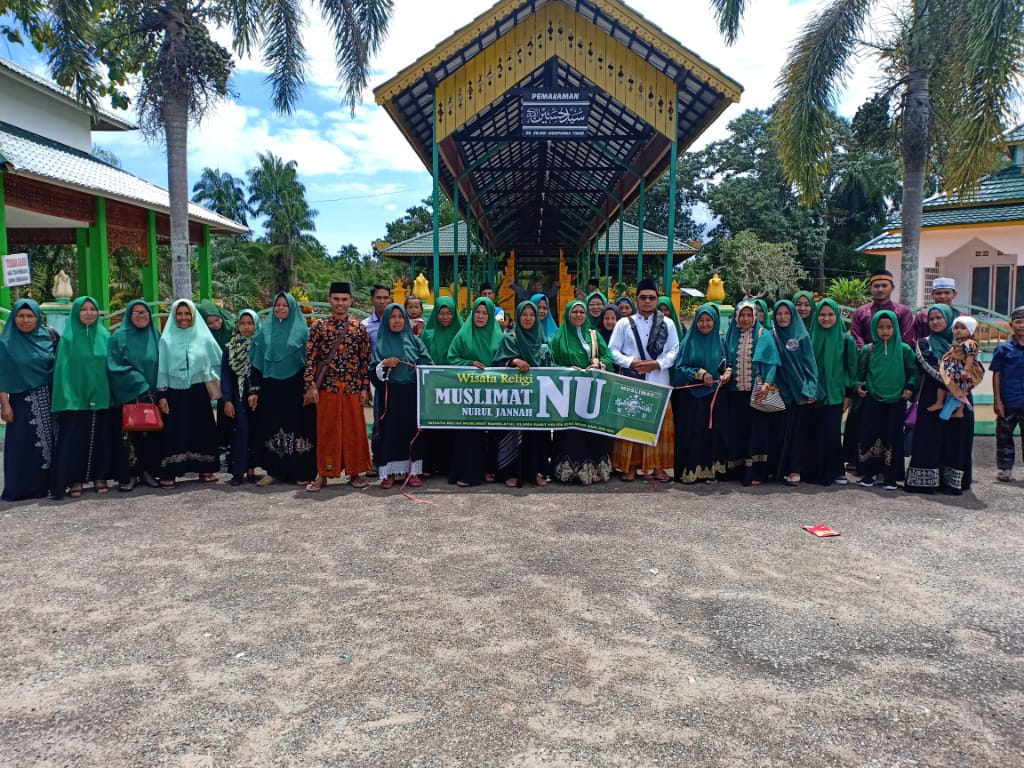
[276, 193]
[954, 65]
[184, 71]
[223, 193]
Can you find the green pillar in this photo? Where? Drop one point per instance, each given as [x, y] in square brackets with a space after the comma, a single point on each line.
[150, 281]
[5, 293]
[670, 249]
[620, 246]
[82, 243]
[205, 266]
[640, 233]
[455, 253]
[99, 258]
[436, 162]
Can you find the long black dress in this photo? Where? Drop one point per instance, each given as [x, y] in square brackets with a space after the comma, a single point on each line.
[241, 456]
[190, 434]
[30, 445]
[286, 428]
[86, 450]
[941, 458]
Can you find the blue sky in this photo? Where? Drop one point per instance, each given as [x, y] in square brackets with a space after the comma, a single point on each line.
[360, 172]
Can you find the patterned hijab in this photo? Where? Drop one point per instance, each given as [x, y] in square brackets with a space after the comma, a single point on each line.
[187, 355]
[279, 347]
[472, 344]
[239, 349]
[26, 359]
[525, 344]
[437, 338]
[133, 357]
[402, 344]
[548, 324]
[703, 350]
[80, 380]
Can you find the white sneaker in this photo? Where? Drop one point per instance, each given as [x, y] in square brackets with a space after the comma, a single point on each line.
[868, 481]
[890, 487]
[841, 480]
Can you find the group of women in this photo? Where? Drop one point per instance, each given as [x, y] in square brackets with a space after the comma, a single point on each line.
[218, 384]
[762, 400]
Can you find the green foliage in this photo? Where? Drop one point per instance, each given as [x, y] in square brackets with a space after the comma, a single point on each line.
[753, 267]
[849, 292]
[418, 220]
[223, 193]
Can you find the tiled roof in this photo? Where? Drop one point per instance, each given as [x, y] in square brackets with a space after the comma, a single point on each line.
[887, 241]
[423, 245]
[102, 119]
[1014, 135]
[32, 155]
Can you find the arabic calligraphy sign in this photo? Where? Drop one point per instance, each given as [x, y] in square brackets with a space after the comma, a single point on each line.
[557, 114]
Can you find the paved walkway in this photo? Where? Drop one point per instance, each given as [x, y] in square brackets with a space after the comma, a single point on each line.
[624, 626]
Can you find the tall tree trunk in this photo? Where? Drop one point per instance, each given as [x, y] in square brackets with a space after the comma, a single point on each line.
[175, 114]
[914, 145]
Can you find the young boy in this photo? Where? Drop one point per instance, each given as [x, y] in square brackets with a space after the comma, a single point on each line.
[1008, 389]
[960, 370]
[414, 309]
[888, 375]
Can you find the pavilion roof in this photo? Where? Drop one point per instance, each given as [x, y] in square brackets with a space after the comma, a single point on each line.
[23, 153]
[538, 196]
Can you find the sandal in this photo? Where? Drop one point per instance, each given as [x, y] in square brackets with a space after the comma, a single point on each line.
[168, 484]
[266, 480]
[414, 481]
[462, 484]
[512, 482]
[660, 476]
[207, 478]
[628, 477]
[314, 485]
[386, 483]
[101, 487]
[792, 480]
[541, 480]
[75, 491]
[360, 482]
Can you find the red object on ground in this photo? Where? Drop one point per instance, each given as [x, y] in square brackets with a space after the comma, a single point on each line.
[821, 531]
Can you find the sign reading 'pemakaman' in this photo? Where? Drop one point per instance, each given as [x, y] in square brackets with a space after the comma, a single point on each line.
[541, 398]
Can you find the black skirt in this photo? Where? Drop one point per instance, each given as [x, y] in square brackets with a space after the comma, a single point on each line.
[86, 450]
[286, 430]
[30, 446]
[702, 448]
[881, 440]
[823, 444]
[398, 447]
[581, 456]
[190, 435]
[941, 457]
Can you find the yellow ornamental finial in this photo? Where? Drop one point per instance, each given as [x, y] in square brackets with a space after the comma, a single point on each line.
[421, 289]
[716, 289]
[399, 292]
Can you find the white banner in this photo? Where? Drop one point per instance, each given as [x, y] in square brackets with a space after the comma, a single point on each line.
[16, 270]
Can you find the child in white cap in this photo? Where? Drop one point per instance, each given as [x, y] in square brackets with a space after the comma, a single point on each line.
[960, 370]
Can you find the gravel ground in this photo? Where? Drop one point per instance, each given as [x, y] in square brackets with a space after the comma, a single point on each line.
[628, 625]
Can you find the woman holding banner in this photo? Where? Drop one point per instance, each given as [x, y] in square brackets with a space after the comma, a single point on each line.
[579, 455]
[525, 452]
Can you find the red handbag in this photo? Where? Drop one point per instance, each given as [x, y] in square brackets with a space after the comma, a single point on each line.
[141, 417]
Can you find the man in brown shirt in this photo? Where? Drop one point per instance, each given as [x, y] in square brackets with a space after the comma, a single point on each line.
[338, 383]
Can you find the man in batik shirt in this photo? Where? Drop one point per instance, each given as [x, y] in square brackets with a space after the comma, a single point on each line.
[338, 383]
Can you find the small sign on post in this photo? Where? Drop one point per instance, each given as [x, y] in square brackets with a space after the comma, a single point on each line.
[558, 114]
[16, 270]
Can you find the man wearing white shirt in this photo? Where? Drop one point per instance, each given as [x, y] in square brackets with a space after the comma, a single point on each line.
[645, 346]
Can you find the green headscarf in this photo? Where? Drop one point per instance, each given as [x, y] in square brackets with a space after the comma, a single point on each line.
[830, 355]
[886, 375]
[223, 336]
[436, 337]
[472, 344]
[592, 322]
[133, 357]
[548, 324]
[403, 345]
[26, 359]
[939, 343]
[187, 355]
[238, 349]
[763, 305]
[798, 373]
[278, 349]
[665, 301]
[525, 344]
[702, 350]
[809, 323]
[571, 346]
[80, 381]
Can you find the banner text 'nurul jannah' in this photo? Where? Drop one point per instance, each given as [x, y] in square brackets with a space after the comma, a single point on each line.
[541, 398]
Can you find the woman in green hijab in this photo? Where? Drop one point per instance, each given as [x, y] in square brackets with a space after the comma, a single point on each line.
[578, 455]
[475, 345]
[133, 358]
[442, 325]
[764, 316]
[393, 372]
[941, 458]
[701, 436]
[596, 302]
[88, 427]
[218, 320]
[285, 430]
[190, 358]
[798, 384]
[27, 352]
[524, 454]
[835, 354]
[666, 308]
[803, 302]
